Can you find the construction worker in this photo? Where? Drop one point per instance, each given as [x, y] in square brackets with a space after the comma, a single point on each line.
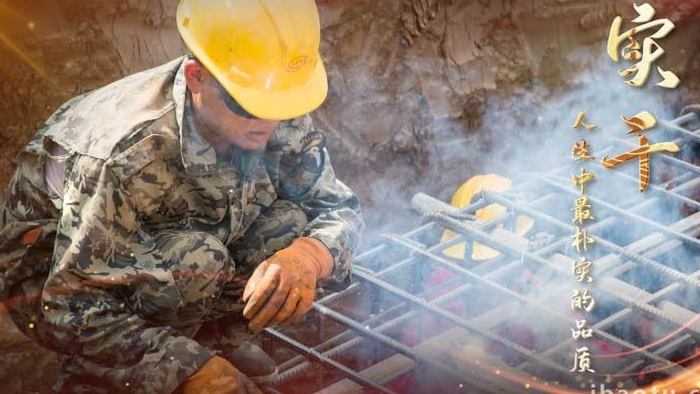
[153, 226]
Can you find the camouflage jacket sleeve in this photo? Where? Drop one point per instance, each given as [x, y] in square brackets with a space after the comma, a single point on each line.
[306, 177]
[101, 259]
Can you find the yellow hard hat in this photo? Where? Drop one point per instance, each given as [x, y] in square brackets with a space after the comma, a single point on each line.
[265, 53]
[463, 197]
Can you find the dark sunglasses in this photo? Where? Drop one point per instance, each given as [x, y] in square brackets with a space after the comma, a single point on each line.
[232, 105]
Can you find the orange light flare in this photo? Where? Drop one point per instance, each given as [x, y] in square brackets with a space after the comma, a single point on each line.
[683, 382]
[659, 341]
[9, 13]
[529, 384]
[695, 368]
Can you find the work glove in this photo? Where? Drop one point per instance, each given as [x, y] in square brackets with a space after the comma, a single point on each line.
[218, 376]
[282, 288]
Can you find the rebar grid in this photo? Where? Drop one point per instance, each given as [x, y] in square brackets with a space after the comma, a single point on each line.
[646, 252]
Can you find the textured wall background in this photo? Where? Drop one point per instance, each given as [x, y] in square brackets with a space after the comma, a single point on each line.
[404, 74]
[407, 77]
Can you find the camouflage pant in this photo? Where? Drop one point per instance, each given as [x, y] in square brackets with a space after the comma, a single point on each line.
[203, 301]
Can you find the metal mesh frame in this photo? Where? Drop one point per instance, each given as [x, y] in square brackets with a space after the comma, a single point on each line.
[389, 294]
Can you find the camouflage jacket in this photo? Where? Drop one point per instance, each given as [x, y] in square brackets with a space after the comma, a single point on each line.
[135, 167]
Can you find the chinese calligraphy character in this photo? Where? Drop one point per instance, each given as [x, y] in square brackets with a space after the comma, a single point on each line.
[579, 122]
[581, 240]
[582, 269]
[636, 125]
[582, 331]
[582, 300]
[582, 360]
[581, 179]
[580, 151]
[650, 50]
[582, 210]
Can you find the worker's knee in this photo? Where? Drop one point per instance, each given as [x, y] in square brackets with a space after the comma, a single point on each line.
[274, 229]
[193, 252]
[290, 212]
[281, 222]
[199, 264]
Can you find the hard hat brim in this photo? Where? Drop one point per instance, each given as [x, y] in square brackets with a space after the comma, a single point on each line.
[268, 61]
[281, 104]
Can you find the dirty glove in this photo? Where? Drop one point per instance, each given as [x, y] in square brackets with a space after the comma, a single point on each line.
[282, 288]
[218, 376]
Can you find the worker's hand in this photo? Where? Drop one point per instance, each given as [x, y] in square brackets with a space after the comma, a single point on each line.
[282, 288]
[218, 376]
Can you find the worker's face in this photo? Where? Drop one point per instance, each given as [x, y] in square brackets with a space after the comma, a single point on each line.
[224, 122]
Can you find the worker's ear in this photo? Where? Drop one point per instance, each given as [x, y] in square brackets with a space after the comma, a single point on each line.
[194, 75]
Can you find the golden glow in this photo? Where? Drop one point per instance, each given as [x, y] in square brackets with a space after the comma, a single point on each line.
[645, 54]
[463, 197]
[22, 54]
[579, 122]
[14, 47]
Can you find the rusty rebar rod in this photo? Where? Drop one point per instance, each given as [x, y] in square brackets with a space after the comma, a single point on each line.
[347, 372]
[518, 296]
[486, 239]
[347, 345]
[638, 218]
[611, 246]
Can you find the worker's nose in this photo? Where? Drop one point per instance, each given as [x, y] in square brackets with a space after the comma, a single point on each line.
[266, 125]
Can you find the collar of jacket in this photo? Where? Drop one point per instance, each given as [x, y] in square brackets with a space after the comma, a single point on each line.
[198, 155]
[94, 123]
